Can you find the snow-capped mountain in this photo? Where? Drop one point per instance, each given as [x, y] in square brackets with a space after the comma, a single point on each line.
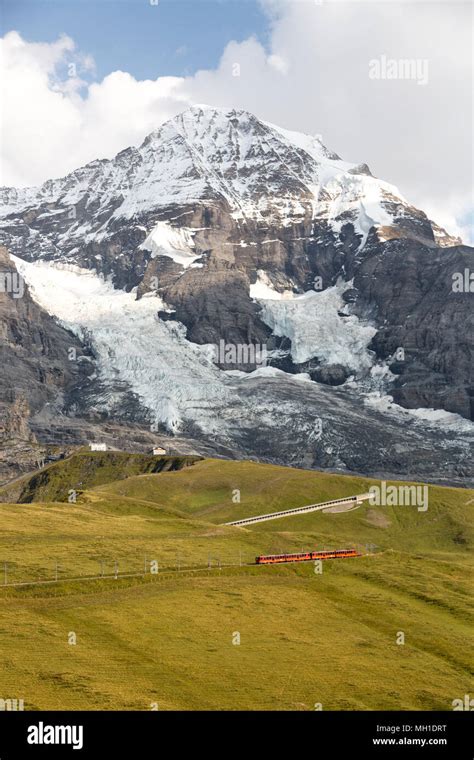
[224, 230]
[261, 173]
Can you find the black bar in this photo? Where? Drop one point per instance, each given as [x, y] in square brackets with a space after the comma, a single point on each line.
[168, 734]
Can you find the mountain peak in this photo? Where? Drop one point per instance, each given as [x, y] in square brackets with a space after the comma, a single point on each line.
[200, 118]
[261, 172]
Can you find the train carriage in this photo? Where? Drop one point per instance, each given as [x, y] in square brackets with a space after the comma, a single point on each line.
[272, 559]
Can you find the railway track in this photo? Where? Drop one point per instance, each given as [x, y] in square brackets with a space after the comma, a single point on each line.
[138, 574]
[168, 574]
[354, 501]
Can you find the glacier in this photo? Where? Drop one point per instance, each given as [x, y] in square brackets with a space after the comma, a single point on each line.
[317, 326]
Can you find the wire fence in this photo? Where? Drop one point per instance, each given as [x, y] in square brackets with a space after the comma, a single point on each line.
[74, 568]
[14, 574]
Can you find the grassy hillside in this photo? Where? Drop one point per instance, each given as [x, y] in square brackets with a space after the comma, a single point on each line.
[206, 492]
[87, 469]
[305, 637]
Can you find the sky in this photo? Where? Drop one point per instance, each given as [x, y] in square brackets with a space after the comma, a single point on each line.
[174, 37]
[388, 83]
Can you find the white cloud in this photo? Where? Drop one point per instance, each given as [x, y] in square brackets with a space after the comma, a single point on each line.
[52, 124]
[314, 77]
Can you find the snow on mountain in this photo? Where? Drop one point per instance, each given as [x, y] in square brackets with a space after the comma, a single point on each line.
[432, 418]
[173, 378]
[318, 328]
[258, 168]
[231, 200]
[175, 242]
[262, 172]
[263, 289]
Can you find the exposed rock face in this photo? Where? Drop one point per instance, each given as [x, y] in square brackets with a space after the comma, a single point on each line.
[36, 370]
[215, 214]
[15, 425]
[217, 306]
[35, 352]
[408, 289]
[332, 374]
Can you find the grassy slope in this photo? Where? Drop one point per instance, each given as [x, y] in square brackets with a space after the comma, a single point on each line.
[205, 492]
[305, 637]
[87, 469]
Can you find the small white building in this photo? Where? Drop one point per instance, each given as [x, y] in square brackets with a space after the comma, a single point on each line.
[98, 446]
[158, 451]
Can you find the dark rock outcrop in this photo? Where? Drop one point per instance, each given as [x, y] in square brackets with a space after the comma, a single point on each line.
[407, 288]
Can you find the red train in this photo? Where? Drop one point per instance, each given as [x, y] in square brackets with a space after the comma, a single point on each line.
[271, 559]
